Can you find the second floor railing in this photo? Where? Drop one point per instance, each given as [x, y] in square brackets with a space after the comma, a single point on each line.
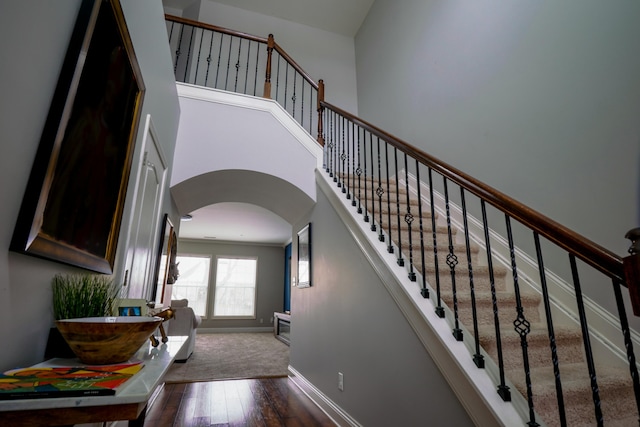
[219, 58]
[444, 226]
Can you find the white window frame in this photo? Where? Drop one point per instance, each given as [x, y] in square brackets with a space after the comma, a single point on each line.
[208, 287]
[215, 290]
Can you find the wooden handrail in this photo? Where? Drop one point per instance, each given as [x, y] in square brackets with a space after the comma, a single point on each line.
[593, 254]
[264, 40]
[215, 28]
[295, 65]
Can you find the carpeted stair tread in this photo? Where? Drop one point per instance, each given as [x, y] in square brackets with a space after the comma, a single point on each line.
[484, 306]
[568, 345]
[481, 276]
[614, 386]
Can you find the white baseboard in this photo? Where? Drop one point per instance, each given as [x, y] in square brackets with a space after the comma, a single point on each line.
[333, 411]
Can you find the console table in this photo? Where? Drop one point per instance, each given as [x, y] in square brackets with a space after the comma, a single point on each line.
[129, 402]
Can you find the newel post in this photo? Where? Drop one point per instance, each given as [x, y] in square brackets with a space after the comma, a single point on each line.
[631, 265]
[320, 112]
[267, 81]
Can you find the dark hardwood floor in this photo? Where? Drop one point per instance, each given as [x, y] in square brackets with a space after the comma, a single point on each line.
[235, 403]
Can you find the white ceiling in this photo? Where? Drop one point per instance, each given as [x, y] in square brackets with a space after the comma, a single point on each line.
[336, 16]
[244, 222]
[236, 222]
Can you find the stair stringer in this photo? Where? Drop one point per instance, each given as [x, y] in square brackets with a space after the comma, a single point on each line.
[474, 387]
[602, 323]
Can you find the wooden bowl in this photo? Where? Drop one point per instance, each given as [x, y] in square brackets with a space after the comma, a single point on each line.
[107, 340]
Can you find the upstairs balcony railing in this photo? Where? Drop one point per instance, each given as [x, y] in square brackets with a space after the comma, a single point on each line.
[219, 58]
[493, 266]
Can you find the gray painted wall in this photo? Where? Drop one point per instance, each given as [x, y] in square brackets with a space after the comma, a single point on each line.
[347, 322]
[540, 100]
[270, 295]
[33, 40]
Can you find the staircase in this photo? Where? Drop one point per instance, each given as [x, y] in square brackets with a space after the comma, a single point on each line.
[614, 384]
[540, 355]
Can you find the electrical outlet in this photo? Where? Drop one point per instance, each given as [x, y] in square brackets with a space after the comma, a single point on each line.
[261, 320]
[271, 320]
[340, 381]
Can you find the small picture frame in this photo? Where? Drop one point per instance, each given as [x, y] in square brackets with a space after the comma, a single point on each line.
[132, 307]
[304, 257]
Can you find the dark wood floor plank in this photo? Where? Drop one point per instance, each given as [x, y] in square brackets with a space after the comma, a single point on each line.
[269, 402]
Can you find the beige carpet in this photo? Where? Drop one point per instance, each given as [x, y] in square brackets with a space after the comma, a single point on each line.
[232, 355]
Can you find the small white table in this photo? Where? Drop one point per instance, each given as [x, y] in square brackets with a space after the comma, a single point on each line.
[129, 402]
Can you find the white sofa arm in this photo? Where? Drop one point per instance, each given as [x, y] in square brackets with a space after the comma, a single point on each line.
[184, 322]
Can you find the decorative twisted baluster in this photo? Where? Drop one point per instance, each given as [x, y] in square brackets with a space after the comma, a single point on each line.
[452, 262]
[408, 218]
[550, 330]
[503, 390]
[478, 358]
[521, 325]
[439, 308]
[586, 341]
[359, 174]
[206, 76]
[424, 291]
[399, 260]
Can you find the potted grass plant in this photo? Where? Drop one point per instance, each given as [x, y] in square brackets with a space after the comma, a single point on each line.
[77, 296]
[83, 295]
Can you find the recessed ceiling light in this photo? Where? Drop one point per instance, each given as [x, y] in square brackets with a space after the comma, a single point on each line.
[186, 217]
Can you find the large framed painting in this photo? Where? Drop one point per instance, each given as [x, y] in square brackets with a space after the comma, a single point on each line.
[73, 203]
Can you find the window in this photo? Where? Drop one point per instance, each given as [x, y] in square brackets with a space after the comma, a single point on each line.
[235, 290]
[193, 282]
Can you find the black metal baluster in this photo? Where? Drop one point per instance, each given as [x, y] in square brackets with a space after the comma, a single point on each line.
[346, 176]
[503, 390]
[255, 76]
[586, 340]
[178, 50]
[439, 308]
[237, 66]
[195, 79]
[337, 163]
[366, 174]
[293, 97]
[311, 107]
[628, 344]
[366, 203]
[478, 358]
[379, 193]
[550, 330]
[359, 174]
[332, 144]
[452, 262]
[521, 325]
[399, 260]
[408, 218]
[386, 157]
[343, 158]
[286, 84]
[206, 77]
[215, 85]
[186, 68]
[351, 178]
[302, 104]
[226, 78]
[246, 70]
[424, 291]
